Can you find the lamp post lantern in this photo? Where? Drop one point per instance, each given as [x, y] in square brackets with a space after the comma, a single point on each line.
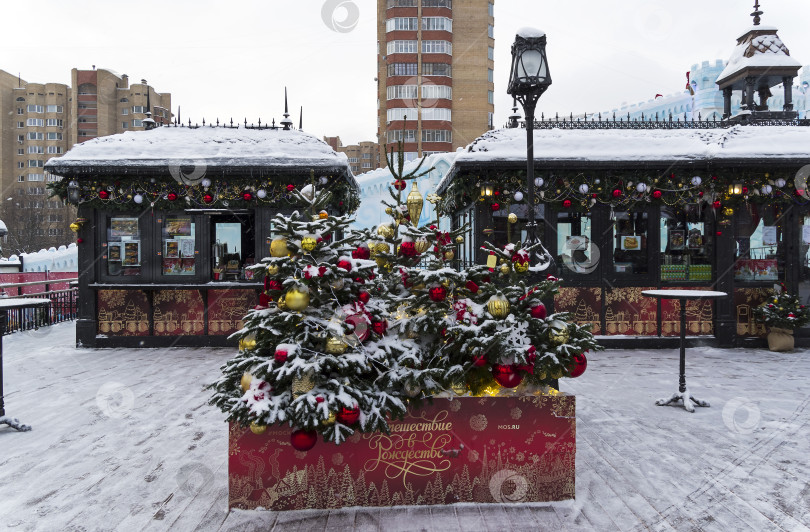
[528, 80]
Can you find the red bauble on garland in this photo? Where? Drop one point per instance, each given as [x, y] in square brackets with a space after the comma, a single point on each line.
[103, 194]
[539, 312]
[579, 365]
[359, 323]
[472, 287]
[247, 196]
[364, 297]
[407, 249]
[617, 192]
[303, 440]
[362, 253]
[272, 284]
[290, 188]
[280, 355]
[348, 416]
[717, 204]
[657, 194]
[566, 204]
[495, 207]
[438, 293]
[380, 327]
[480, 361]
[208, 198]
[79, 240]
[506, 375]
[399, 184]
[171, 196]
[346, 265]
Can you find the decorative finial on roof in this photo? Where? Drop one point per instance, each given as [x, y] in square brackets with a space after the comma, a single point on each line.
[756, 13]
[148, 123]
[286, 122]
[301, 119]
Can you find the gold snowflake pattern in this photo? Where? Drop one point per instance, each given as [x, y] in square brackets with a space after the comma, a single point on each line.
[478, 423]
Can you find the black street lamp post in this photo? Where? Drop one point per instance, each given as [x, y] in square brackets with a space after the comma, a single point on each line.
[528, 80]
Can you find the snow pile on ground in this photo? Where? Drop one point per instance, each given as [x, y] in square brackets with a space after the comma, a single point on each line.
[123, 439]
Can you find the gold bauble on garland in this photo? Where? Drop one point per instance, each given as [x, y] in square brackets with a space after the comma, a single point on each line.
[330, 420]
[335, 346]
[521, 267]
[382, 247]
[505, 269]
[296, 299]
[75, 227]
[309, 243]
[421, 245]
[449, 255]
[282, 303]
[302, 385]
[272, 269]
[512, 218]
[559, 336]
[385, 230]
[247, 378]
[256, 428]
[278, 248]
[460, 239]
[414, 203]
[247, 344]
[498, 306]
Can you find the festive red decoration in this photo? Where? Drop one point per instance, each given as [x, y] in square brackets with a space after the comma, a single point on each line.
[290, 188]
[716, 204]
[364, 297]
[208, 198]
[438, 293]
[579, 365]
[616, 193]
[407, 249]
[472, 287]
[171, 196]
[791, 315]
[348, 416]
[272, 284]
[319, 399]
[495, 207]
[718, 233]
[79, 240]
[247, 196]
[346, 265]
[745, 190]
[303, 440]
[399, 184]
[359, 323]
[657, 194]
[280, 355]
[361, 252]
[539, 312]
[264, 300]
[103, 194]
[379, 327]
[566, 204]
[506, 375]
[480, 361]
[359, 280]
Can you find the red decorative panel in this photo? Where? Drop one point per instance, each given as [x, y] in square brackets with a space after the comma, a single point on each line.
[226, 308]
[699, 315]
[745, 301]
[470, 449]
[123, 313]
[628, 312]
[178, 313]
[585, 305]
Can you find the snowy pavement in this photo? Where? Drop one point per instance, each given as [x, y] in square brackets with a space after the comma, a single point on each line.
[123, 439]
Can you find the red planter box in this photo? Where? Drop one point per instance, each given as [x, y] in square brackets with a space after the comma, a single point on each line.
[468, 449]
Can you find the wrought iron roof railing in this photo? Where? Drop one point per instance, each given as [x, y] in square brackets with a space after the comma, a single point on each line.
[597, 122]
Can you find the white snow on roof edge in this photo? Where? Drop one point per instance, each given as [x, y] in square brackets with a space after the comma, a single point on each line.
[528, 32]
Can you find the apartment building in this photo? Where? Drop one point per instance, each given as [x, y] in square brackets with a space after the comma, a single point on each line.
[435, 73]
[363, 157]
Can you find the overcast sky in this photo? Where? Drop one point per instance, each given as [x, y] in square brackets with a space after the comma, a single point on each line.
[233, 58]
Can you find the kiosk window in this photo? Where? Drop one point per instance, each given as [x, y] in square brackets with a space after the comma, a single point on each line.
[630, 243]
[123, 246]
[685, 247]
[759, 247]
[233, 245]
[179, 246]
[575, 252]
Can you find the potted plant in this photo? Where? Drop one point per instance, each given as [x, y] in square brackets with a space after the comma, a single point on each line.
[782, 314]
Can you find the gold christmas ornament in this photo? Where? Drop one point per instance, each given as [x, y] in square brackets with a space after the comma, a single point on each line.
[302, 385]
[382, 247]
[296, 299]
[414, 203]
[247, 344]
[556, 373]
[411, 390]
[512, 218]
[335, 346]
[330, 420]
[559, 336]
[498, 306]
[247, 378]
[460, 388]
[385, 230]
[309, 243]
[323, 215]
[505, 269]
[337, 284]
[460, 239]
[449, 255]
[728, 211]
[389, 211]
[421, 245]
[255, 428]
[521, 267]
[434, 198]
[75, 227]
[272, 269]
[282, 302]
[278, 248]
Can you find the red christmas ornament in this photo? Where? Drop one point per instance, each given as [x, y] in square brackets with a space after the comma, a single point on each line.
[290, 188]
[593, 196]
[497, 193]
[364, 297]
[495, 207]
[791, 315]
[480, 361]
[472, 287]
[399, 184]
[657, 194]
[438, 293]
[319, 399]
[359, 280]
[272, 284]
[579, 365]
[361, 252]
[208, 198]
[359, 323]
[531, 354]
[379, 327]
[348, 416]
[566, 204]
[264, 300]
[506, 375]
[247, 196]
[103, 194]
[745, 191]
[700, 194]
[539, 312]
[346, 265]
[303, 440]
[79, 240]
[616, 193]
[716, 204]
[280, 356]
[171, 196]
[407, 249]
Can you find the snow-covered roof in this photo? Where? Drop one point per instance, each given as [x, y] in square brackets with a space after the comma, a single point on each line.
[209, 146]
[760, 46]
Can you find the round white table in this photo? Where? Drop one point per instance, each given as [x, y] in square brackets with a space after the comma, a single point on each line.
[7, 304]
[682, 296]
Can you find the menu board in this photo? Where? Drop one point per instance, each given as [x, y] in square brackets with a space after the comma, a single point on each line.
[124, 228]
[132, 253]
[756, 270]
[114, 252]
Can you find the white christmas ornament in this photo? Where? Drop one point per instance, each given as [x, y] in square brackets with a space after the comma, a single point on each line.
[583, 188]
[538, 182]
[696, 180]
[261, 193]
[767, 189]
[518, 196]
[641, 187]
[205, 182]
[138, 199]
[780, 182]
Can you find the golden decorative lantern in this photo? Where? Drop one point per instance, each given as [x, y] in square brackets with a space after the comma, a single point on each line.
[498, 306]
[272, 269]
[385, 230]
[296, 299]
[512, 218]
[414, 203]
[309, 243]
[421, 244]
[247, 378]
[335, 346]
[256, 428]
[247, 344]
[302, 385]
[278, 248]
